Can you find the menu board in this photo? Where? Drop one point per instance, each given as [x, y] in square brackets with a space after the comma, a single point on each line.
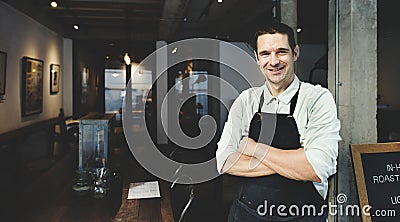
[377, 172]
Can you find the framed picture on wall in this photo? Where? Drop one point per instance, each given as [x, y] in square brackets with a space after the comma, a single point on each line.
[3, 69]
[55, 76]
[32, 86]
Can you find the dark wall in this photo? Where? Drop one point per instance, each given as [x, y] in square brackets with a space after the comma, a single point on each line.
[388, 50]
[85, 56]
[388, 72]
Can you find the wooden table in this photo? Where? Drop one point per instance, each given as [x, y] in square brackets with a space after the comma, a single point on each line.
[152, 210]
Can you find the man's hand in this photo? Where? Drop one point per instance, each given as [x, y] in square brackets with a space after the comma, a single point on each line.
[241, 165]
[247, 146]
[258, 151]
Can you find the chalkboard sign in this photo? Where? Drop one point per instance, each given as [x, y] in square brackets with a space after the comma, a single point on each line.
[377, 172]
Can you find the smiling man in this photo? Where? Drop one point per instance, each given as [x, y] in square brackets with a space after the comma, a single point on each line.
[281, 139]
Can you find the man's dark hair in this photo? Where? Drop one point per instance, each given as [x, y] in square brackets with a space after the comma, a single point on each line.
[276, 27]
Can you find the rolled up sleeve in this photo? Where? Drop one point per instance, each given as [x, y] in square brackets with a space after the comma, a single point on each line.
[235, 127]
[321, 139]
[225, 147]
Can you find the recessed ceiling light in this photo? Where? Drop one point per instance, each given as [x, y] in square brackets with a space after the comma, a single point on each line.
[298, 30]
[76, 27]
[53, 4]
[174, 50]
[219, 1]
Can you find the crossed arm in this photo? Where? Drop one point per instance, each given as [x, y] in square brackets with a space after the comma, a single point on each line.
[251, 159]
[256, 159]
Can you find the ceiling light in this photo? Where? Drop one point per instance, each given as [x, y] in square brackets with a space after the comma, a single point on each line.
[219, 1]
[127, 59]
[76, 27]
[174, 50]
[53, 4]
[298, 30]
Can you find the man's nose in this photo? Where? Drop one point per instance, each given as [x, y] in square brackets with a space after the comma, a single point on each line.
[274, 60]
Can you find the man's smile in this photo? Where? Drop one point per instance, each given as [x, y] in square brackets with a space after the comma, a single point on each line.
[275, 70]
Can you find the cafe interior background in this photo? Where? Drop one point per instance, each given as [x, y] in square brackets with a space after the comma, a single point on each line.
[60, 65]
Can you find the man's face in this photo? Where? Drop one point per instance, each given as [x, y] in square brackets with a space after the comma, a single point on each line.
[276, 59]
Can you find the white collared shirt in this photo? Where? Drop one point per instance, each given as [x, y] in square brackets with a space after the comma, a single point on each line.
[316, 119]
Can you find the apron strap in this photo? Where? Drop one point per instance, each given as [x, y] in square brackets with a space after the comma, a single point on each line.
[293, 102]
[261, 102]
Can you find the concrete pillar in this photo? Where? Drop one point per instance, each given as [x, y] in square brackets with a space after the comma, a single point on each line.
[289, 17]
[289, 14]
[355, 71]
[331, 86]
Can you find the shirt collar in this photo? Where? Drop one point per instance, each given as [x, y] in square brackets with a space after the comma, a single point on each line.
[284, 97]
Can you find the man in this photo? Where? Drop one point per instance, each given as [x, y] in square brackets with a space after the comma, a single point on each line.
[281, 139]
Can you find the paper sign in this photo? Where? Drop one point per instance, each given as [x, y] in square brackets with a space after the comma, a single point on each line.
[141, 190]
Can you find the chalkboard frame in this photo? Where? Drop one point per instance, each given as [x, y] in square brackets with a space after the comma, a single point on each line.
[356, 151]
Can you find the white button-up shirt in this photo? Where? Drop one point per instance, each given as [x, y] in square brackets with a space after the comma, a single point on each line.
[316, 119]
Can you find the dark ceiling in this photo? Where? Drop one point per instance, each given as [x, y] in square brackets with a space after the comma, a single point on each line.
[113, 25]
[149, 20]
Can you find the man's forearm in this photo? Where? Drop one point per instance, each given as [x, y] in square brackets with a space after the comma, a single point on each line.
[292, 164]
[241, 165]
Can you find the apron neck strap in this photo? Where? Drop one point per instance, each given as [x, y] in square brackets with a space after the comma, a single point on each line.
[293, 101]
[261, 102]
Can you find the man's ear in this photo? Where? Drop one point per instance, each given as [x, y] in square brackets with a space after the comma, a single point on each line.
[296, 52]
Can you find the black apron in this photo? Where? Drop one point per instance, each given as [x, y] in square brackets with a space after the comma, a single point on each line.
[258, 194]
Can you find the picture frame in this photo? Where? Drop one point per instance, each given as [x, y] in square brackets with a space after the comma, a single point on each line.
[3, 70]
[32, 86]
[55, 75]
